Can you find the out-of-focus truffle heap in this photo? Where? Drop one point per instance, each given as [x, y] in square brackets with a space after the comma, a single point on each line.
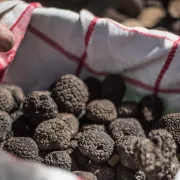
[86, 127]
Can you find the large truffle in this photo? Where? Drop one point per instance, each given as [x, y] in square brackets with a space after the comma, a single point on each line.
[39, 107]
[59, 159]
[22, 147]
[5, 125]
[101, 111]
[52, 134]
[126, 127]
[71, 121]
[70, 93]
[113, 88]
[85, 175]
[97, 145]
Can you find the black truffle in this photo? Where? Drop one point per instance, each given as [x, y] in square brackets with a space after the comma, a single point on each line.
[113, 88]
[22, 147]
[126, 127]
[128, 109]
[101, 111]
[85, 175]
[71, 94]
[171, 123]
[39, 107]
[71, 121]
[94, 87]
[5, 125]
[97, 145]
[52, 134]
[151, 109]
[98, 127]
[59, 159]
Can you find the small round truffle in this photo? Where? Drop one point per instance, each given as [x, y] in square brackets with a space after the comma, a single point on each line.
[39, 107]
[126, 127]
[52, 134]
[94, 87]
[151, 109]
[71, 94]
[97, 145]
[102, 171]
[85, 175]
[101, 111]
[59, 159]
[7, 101]
[71, 121]
[113, 88]
[5, 125]
[98, 127]
[128, 109]
[22, 147]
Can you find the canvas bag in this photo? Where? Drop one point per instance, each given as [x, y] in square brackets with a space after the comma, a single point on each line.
[50, 42]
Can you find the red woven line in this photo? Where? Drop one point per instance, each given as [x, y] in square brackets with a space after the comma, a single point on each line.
[166, 66]
[53, 44]
[139, 32]
[87, 39]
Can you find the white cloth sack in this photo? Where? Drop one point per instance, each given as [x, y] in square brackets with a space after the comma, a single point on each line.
[59, 41]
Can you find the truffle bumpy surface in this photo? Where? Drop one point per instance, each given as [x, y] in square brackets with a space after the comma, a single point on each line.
[97, 145]
[85, 175]
[71, 94]
[39, 107]
[52, 134]
[98, 127]
[101, 111]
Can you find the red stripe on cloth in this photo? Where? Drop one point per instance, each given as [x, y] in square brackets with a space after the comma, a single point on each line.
[166, 66]
[87, 39]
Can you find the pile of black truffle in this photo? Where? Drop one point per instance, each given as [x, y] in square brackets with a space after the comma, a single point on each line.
[86, 128]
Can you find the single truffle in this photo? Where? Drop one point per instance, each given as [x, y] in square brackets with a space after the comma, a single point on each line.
[85, 175]
[98, 127]
[128, 109]
[39, 107]
[71, 94]
[97, 145]
[101, 111]
[125, 148]
[22, 147]
[164, 140]
[71, 121]
[102, 171]
[94, 87]
[7, 101]
[126, 127]
[52, 134]
[5, 125]
[59, 159]
[171, 123]
[113, 88]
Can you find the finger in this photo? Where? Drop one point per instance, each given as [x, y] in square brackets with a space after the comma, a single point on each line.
[6, 39]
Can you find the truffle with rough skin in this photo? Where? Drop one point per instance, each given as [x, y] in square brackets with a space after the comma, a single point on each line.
[171, 123]
[128, 109]
[97, 145]
[71, 94]
[52, 134]
[126, 127]
[7, 101]
[151, 109]
[94, 87]
[59, 159]
[125, 148]
[5, 125]
[85, 175]
[98, 127]
[71, 121]
[39, 107]
[101, 111]
[164, 140]
[102, 171]
[22, 147]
